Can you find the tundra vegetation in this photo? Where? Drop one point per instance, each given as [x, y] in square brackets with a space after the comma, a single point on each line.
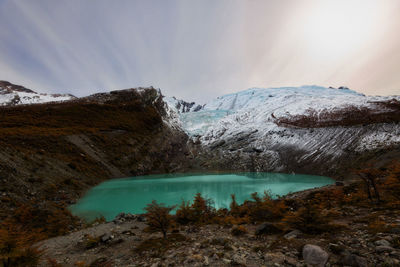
[314, 213]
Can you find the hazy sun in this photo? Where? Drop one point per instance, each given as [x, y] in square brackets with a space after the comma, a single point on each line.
[337, 28]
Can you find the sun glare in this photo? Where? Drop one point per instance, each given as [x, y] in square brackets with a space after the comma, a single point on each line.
[334, 29]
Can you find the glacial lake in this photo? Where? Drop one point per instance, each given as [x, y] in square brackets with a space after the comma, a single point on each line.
[133, 194]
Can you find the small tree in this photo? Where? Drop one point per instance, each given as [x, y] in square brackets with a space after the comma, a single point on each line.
[202, 208]
[308, 219]
[370, 176]
[184, 214]
[234, 206]
[15, 247]
[158, 217]
[201, 211]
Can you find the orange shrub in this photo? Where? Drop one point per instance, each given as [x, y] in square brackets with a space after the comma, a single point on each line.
[238, 230]
[158, 217]
[201, 211]
[265, 208]
[309, 219]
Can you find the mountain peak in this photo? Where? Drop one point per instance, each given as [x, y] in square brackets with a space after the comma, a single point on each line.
[6, 86]
[12, 94]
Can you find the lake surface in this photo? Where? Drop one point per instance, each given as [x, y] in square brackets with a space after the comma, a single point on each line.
[132, 194]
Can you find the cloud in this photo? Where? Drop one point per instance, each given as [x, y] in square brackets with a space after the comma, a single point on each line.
[195, 50]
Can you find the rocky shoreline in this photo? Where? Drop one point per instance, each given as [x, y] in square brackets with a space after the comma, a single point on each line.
[125, 242]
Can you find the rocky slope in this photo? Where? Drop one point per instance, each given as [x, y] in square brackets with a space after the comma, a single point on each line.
[56, 151]
[125, 242]
[11, 94]
[308, 129]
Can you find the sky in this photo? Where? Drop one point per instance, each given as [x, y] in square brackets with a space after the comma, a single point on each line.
[198, 50]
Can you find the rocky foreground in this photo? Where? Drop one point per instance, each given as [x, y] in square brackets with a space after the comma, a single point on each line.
[357, 241]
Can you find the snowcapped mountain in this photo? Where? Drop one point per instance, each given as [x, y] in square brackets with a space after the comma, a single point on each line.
[11, 94]
[181, 106]
[258, 128]
[258, 106]
[308, 129]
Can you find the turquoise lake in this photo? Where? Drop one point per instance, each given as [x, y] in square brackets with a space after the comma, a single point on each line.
[132, 194]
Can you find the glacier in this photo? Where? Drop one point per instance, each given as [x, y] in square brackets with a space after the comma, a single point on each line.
[256, 107]
[239, 130]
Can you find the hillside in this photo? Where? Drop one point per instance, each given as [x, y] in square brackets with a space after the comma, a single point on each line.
[52, 153]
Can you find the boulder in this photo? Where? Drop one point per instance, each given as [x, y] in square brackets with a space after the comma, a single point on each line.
[315, 255]
[267, 228]
[106, 237]
[349, 259]
[382, 242]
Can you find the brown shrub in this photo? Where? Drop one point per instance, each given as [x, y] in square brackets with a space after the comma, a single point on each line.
[16, 249]
[378, 226]
[309, 219]
[238, 230]
[200, 212]
[265, 208]
[158, 217]
[53, 263]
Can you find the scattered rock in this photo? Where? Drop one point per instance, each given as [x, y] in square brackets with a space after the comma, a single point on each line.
[292, 234]
[291, 261]
[315, 255]
[123, 217]
[277, 257]
[218, 241]
[140, 218]
[238, 261]
[395, 230]
[106, 237]
[349, 259]
[206, 261]
[227, 261]
[395, 254]
[128, 232]
[336, 249]
[382, 242]
[267, 228]
[380, 249]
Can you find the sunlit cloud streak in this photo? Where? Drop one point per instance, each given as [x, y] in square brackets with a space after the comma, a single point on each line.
[197, 50]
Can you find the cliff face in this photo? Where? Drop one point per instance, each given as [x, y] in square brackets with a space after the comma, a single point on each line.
[56, 151]
[330, 151]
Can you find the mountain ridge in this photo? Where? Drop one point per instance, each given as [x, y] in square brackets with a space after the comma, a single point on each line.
[294, 129]
[12, 94]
